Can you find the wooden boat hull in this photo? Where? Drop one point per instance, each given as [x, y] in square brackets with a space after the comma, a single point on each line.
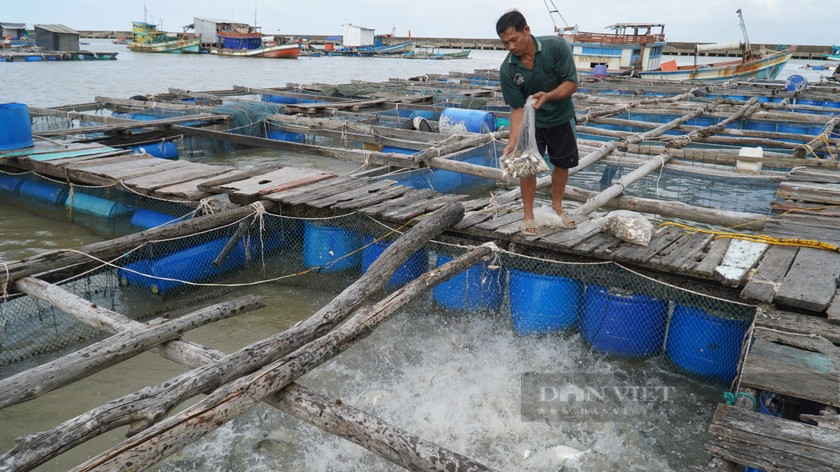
[368, 51]
[181, 46]
[767, 67]
[285, 51]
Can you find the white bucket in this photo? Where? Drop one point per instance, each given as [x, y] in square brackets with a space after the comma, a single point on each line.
[749, 161]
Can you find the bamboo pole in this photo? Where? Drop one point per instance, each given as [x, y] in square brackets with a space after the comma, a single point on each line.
[57, 373]
[617, 189]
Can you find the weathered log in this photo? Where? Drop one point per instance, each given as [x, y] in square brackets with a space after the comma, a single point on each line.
[659, 130]
[617, 189]
[230, 400]
[115, 248]
[243, 228]
[150, 404]
[456, 143]
[674, 210]
[819, 142]
[370, 432]
[748, 108]
[44, 378]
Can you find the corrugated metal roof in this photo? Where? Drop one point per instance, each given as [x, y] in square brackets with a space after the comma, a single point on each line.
[57, 29]
[6, 25]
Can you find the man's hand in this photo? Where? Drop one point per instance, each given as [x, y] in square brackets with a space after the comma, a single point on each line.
[539, 99]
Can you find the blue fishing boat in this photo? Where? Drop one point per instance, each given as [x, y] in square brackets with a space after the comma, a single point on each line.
[834, 55]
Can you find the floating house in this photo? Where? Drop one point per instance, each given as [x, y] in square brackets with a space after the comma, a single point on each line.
[56, 38]
[355, 36]
[206, 29]
[13, 33]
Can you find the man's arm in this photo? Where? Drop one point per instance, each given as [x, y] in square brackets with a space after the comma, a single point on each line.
[564, 90]
[515, 124]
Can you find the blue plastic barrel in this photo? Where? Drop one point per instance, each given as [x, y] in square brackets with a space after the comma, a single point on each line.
[795, 83]
[188, 265]
[599, 71]
[705, 345]
[398, 150]
[631, 325]
[287, 136]
[414, 266]
[756, 125]
[164, 150]
[461, 120]
[475, 289]
[10, 183]
[830, 104]
[96, 206]
[543, 303]
[279, 99]
[427, 114]
[33, 59]
[327, 246]
[795, 129]
[146, 219]
[44, 193]
[15, 127]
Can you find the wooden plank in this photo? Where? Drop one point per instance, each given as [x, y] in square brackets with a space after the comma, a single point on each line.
[833, 311]
[599, 245]
[191, 172]
[503, 220]
[475, 217]
[771, 443]
[570, 237]
[406, 199]
[364, 190]
[713, 258]
[325, 188]
[762, 284]
[374, 198]
[191, 190]
[254, 185]
[301, 182]
[133, 169]
[663, 238]
[209, 186]
[798, 323]
[422, 207]
[811, 281]
[794, 370]
[89, 161]
[809, 192]
[292, 196]
[810, 174]
[688, 254]
[738, 261]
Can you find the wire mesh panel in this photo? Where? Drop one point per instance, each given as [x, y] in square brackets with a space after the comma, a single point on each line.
[618, 313]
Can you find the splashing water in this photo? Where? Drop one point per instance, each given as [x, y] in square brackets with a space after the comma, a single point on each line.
[455, 380]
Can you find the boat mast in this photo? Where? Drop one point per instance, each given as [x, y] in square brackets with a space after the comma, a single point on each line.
[747, 47]
[555, 10]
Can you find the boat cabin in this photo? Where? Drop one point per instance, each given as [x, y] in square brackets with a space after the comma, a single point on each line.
[355, 36]
[630, 46]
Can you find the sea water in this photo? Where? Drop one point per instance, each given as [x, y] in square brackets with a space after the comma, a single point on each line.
[450, 378]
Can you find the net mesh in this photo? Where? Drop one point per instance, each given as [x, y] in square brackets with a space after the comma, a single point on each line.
[618, 312]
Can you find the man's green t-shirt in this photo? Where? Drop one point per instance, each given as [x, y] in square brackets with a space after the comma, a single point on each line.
[553, 65]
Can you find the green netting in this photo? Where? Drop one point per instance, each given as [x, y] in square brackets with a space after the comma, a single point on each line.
[619, 313]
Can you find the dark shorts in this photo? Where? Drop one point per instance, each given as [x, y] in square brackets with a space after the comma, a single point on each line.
[561, 142]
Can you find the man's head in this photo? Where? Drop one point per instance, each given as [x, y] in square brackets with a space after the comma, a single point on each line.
[514, 32]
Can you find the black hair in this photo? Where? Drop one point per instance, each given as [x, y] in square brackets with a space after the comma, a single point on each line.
[512, 19]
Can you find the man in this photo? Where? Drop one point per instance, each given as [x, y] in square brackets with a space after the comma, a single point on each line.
[542, 67]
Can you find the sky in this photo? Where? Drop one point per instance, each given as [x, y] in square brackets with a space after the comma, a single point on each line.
[807, 22]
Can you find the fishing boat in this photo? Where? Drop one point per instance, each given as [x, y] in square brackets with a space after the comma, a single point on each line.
[635, 49]
[399, 49]
[243, 40]
[146, 37]
[436, 54]
[834, 55]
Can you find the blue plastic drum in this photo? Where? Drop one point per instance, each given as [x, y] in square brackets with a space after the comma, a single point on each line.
[96, 206]
[627, 325]
[15, 127]
[331, 248]
[413, 267]
[475, 289]
[287, 136]
[163, 150]
[10, 183]
[43, 193]
[146, 219]
[460, 120]
[704, 344]
[543, 303]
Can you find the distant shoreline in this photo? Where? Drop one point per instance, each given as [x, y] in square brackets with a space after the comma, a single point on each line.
[677, 48]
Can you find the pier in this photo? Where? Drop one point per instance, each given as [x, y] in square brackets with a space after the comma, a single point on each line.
[783, 261]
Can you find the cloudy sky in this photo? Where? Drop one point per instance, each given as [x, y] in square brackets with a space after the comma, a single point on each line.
[812, 22]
